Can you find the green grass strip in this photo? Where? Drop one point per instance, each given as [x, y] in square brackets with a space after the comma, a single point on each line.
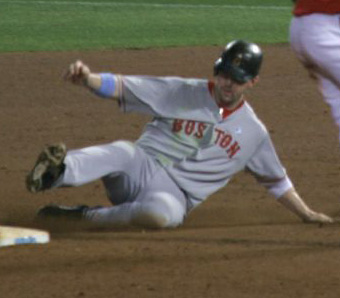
[68, 25]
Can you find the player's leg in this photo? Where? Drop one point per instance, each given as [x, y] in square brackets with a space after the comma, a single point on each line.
[161, 210]
[325, 49]
[331, 94]
[92, 163]
[120, 187]
[316, 41]
[160, 204]
[296, 28]
[55, 167]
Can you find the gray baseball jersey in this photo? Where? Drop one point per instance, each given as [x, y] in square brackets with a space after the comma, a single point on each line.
[200, 145]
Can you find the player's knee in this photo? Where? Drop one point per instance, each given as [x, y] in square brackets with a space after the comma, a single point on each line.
[161, 211]
[150, 218]
[126, 146]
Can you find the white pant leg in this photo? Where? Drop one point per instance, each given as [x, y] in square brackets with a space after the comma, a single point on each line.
[161, 204]
[316, 41]
[93, 163]
[331, 94]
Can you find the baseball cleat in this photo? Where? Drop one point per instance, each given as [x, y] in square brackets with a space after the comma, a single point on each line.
[63, 212]
[48, 168]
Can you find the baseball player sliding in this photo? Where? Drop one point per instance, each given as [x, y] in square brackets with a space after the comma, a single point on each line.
[315, 39]
[202, 133]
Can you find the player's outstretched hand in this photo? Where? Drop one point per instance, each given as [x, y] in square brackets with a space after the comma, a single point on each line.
[78, 72]
[321, 218]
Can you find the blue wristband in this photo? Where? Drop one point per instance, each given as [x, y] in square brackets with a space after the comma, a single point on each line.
[108, 85]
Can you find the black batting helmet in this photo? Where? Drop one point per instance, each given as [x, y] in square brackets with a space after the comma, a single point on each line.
[241, 60]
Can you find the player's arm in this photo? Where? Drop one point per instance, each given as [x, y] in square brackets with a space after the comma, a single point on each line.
[284, 192]
[266, 167]
[103, 84]
[147, 95]
[293, 202]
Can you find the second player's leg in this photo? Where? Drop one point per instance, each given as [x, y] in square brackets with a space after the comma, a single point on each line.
[331, 94]
[315, 39]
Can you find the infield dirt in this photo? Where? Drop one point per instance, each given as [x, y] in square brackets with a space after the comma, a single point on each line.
[239, 243]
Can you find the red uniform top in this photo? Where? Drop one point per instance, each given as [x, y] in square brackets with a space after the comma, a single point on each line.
[303, 7]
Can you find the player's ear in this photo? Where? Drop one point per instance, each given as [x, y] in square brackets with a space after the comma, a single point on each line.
[254, 81]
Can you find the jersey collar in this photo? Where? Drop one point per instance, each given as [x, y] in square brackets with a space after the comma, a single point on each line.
[223, 110]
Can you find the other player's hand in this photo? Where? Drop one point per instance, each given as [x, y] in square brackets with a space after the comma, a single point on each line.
[78, 73]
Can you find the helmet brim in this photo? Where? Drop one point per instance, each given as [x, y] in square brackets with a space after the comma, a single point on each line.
[237, 74]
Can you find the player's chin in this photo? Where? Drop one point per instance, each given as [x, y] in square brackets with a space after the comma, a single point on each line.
[228, 99]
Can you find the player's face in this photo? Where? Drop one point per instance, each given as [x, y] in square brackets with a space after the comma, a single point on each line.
[229, 92]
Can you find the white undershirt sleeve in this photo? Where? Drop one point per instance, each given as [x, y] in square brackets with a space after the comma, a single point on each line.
[277, 188]
[266, 167]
